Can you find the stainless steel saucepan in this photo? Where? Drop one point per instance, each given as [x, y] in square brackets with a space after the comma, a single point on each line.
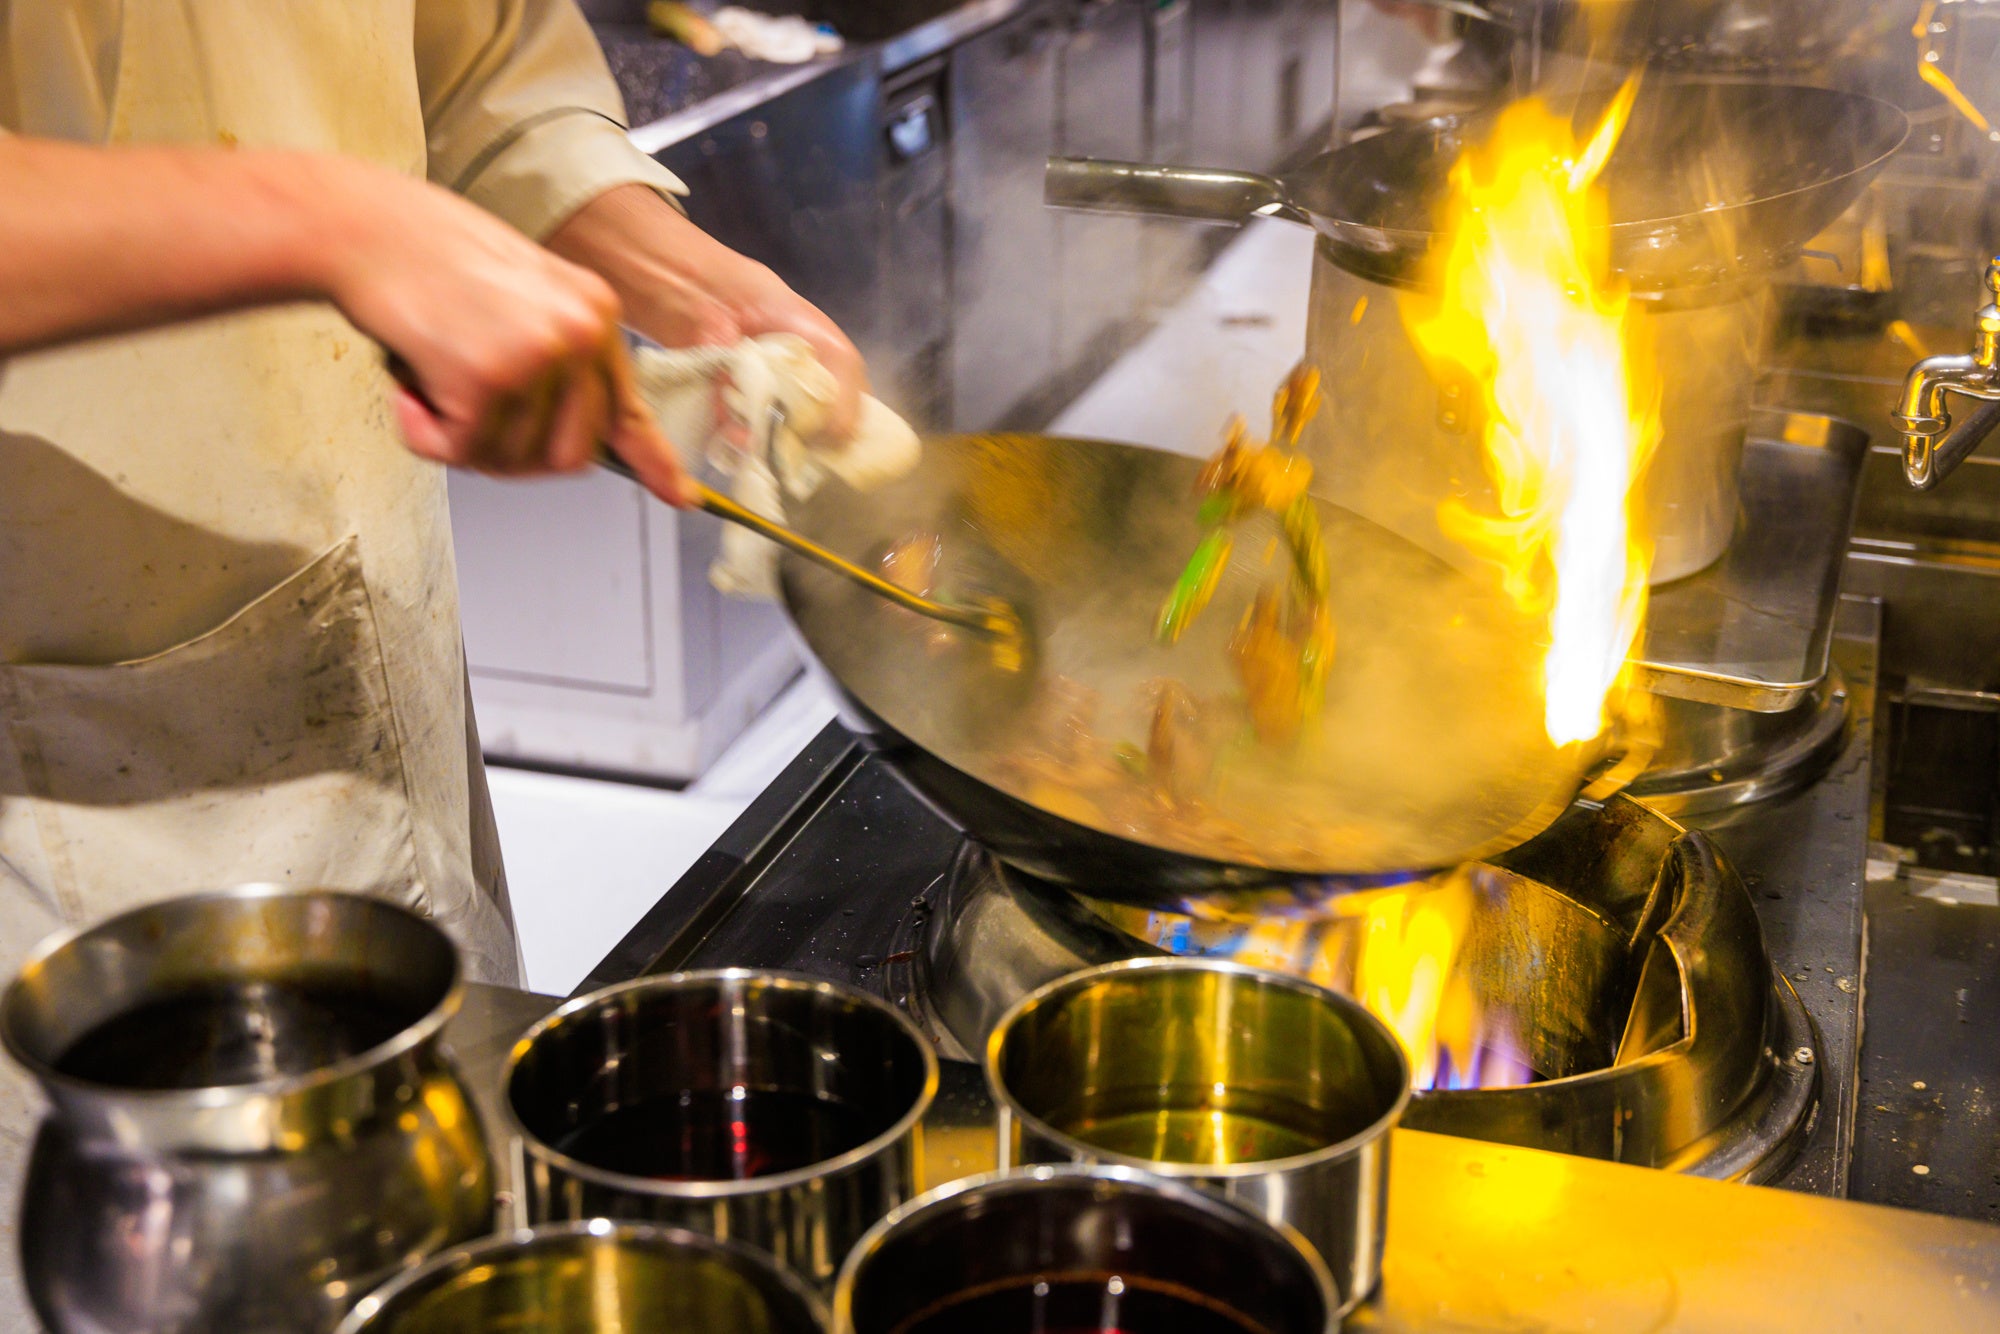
[1264, 1088]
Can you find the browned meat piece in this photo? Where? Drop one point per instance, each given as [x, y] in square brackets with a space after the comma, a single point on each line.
[1281, 652]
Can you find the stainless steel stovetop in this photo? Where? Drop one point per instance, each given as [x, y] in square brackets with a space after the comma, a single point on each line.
[838, 871]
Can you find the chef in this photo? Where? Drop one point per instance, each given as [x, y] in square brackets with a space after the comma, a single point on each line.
[229, 635]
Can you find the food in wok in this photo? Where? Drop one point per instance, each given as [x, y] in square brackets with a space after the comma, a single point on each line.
[1283, 646]
[1135, 767]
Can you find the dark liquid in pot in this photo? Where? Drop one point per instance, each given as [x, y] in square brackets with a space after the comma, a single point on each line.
[1097, 1303]
[708, 1135]
[241, 1033]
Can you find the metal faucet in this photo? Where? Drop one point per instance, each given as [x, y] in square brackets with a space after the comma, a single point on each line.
[1931, 447]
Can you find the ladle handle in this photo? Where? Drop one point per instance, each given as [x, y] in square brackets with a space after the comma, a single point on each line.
[1200, 194]
[982, 620]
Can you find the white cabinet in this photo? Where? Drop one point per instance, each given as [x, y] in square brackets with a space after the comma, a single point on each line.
[557, 580]
[594, 639]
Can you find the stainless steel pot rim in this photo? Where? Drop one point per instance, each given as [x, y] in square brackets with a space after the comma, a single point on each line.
[417, 1035]
[1349, 1007]
[708, 1190]
[547, 1236]
[1111, 1174]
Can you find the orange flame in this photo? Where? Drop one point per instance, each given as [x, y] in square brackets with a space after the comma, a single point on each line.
[1526, 312]
[1399, 951]
[1404, 970]
[1526, 315]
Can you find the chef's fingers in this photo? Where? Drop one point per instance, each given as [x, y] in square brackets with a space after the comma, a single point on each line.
[572, 412]
[791, 313]
[427, 431]
[503, 434]
[513, 432]
[422, 429]
[635, 436]
[850, 377]
[535, 372]
[582, 419]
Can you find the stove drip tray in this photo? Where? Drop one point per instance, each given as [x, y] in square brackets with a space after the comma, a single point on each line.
[1618, 954]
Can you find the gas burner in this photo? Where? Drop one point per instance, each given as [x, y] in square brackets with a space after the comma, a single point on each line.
[1618, 953]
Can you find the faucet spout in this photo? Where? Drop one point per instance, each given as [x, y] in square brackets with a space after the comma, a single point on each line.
[1932, 447]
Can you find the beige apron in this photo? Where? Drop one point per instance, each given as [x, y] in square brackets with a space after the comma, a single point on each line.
[229, 643]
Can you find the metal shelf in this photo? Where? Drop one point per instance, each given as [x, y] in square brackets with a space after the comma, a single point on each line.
[1753, 631]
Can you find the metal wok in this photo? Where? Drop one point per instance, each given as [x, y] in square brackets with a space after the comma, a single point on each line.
[1710, 183]
[1430, 750]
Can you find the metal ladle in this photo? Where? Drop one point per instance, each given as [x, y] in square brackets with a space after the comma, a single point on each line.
[990, 617]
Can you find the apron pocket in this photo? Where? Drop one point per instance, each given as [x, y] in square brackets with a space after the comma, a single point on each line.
[262, 750]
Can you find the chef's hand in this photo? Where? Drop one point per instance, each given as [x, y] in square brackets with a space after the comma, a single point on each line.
[1434, 23]
[683, 288]
[510, 358]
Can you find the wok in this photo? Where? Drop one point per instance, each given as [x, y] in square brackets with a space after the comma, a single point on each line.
[1430, 749]
[1710, 183]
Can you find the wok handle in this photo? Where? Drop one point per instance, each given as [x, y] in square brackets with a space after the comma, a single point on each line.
[1200, 194]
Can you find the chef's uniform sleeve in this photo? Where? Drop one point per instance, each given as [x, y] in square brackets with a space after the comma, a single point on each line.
[520, 110]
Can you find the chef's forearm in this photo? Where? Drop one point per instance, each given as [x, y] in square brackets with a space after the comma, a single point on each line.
[99, 240]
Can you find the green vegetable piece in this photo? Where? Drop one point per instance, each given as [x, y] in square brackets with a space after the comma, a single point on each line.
[1221, 507]
[1302, 533]
[1131, 759]
[1195, 586]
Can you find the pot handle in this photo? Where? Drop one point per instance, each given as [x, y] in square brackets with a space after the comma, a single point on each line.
[1200, 194]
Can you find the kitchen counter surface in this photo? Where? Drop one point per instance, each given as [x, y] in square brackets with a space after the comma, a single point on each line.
[660, 78]
[672, 94]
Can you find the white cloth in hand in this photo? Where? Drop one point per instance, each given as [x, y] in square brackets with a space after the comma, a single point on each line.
[756, 412]
[780, 39]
